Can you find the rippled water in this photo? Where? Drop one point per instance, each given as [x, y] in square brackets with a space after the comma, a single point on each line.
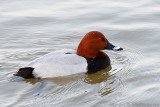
[32, 28]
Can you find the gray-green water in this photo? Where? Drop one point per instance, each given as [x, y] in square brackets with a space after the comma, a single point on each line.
[32, 28]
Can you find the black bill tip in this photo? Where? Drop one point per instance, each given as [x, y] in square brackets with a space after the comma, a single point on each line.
[113, 47]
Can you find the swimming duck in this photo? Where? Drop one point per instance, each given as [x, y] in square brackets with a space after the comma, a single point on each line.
[87, 58]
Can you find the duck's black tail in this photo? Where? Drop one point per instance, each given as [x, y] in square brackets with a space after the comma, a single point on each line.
[26, 72]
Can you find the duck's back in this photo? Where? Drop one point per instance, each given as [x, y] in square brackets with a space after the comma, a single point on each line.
[58, 63]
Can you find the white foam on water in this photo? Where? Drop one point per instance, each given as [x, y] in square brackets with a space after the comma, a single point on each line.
[13, 78]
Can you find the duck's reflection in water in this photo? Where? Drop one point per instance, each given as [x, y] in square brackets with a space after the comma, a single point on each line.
[103, 78]
[94, 78]
[98, 77]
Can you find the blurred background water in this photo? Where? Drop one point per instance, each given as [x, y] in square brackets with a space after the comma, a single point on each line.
[32, 28]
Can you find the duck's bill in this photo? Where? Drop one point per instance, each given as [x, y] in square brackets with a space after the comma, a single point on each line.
[113, 47]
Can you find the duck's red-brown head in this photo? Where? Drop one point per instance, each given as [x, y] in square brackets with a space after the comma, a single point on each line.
[91, 44]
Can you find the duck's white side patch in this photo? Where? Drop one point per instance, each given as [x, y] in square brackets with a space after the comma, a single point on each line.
[58, 63]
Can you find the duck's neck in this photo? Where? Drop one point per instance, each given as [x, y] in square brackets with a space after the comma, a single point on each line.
[90, 52]
[86, 51]
[97, 60]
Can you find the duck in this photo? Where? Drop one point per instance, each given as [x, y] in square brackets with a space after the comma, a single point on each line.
[89, 58]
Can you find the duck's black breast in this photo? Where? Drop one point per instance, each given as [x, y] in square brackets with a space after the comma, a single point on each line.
[97, 64]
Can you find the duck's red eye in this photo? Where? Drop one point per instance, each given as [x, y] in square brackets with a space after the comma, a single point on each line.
[100, 38]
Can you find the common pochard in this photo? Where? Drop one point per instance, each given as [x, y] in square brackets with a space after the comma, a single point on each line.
[87, 58]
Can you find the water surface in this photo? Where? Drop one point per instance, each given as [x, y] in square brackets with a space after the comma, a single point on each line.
[30, 29]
